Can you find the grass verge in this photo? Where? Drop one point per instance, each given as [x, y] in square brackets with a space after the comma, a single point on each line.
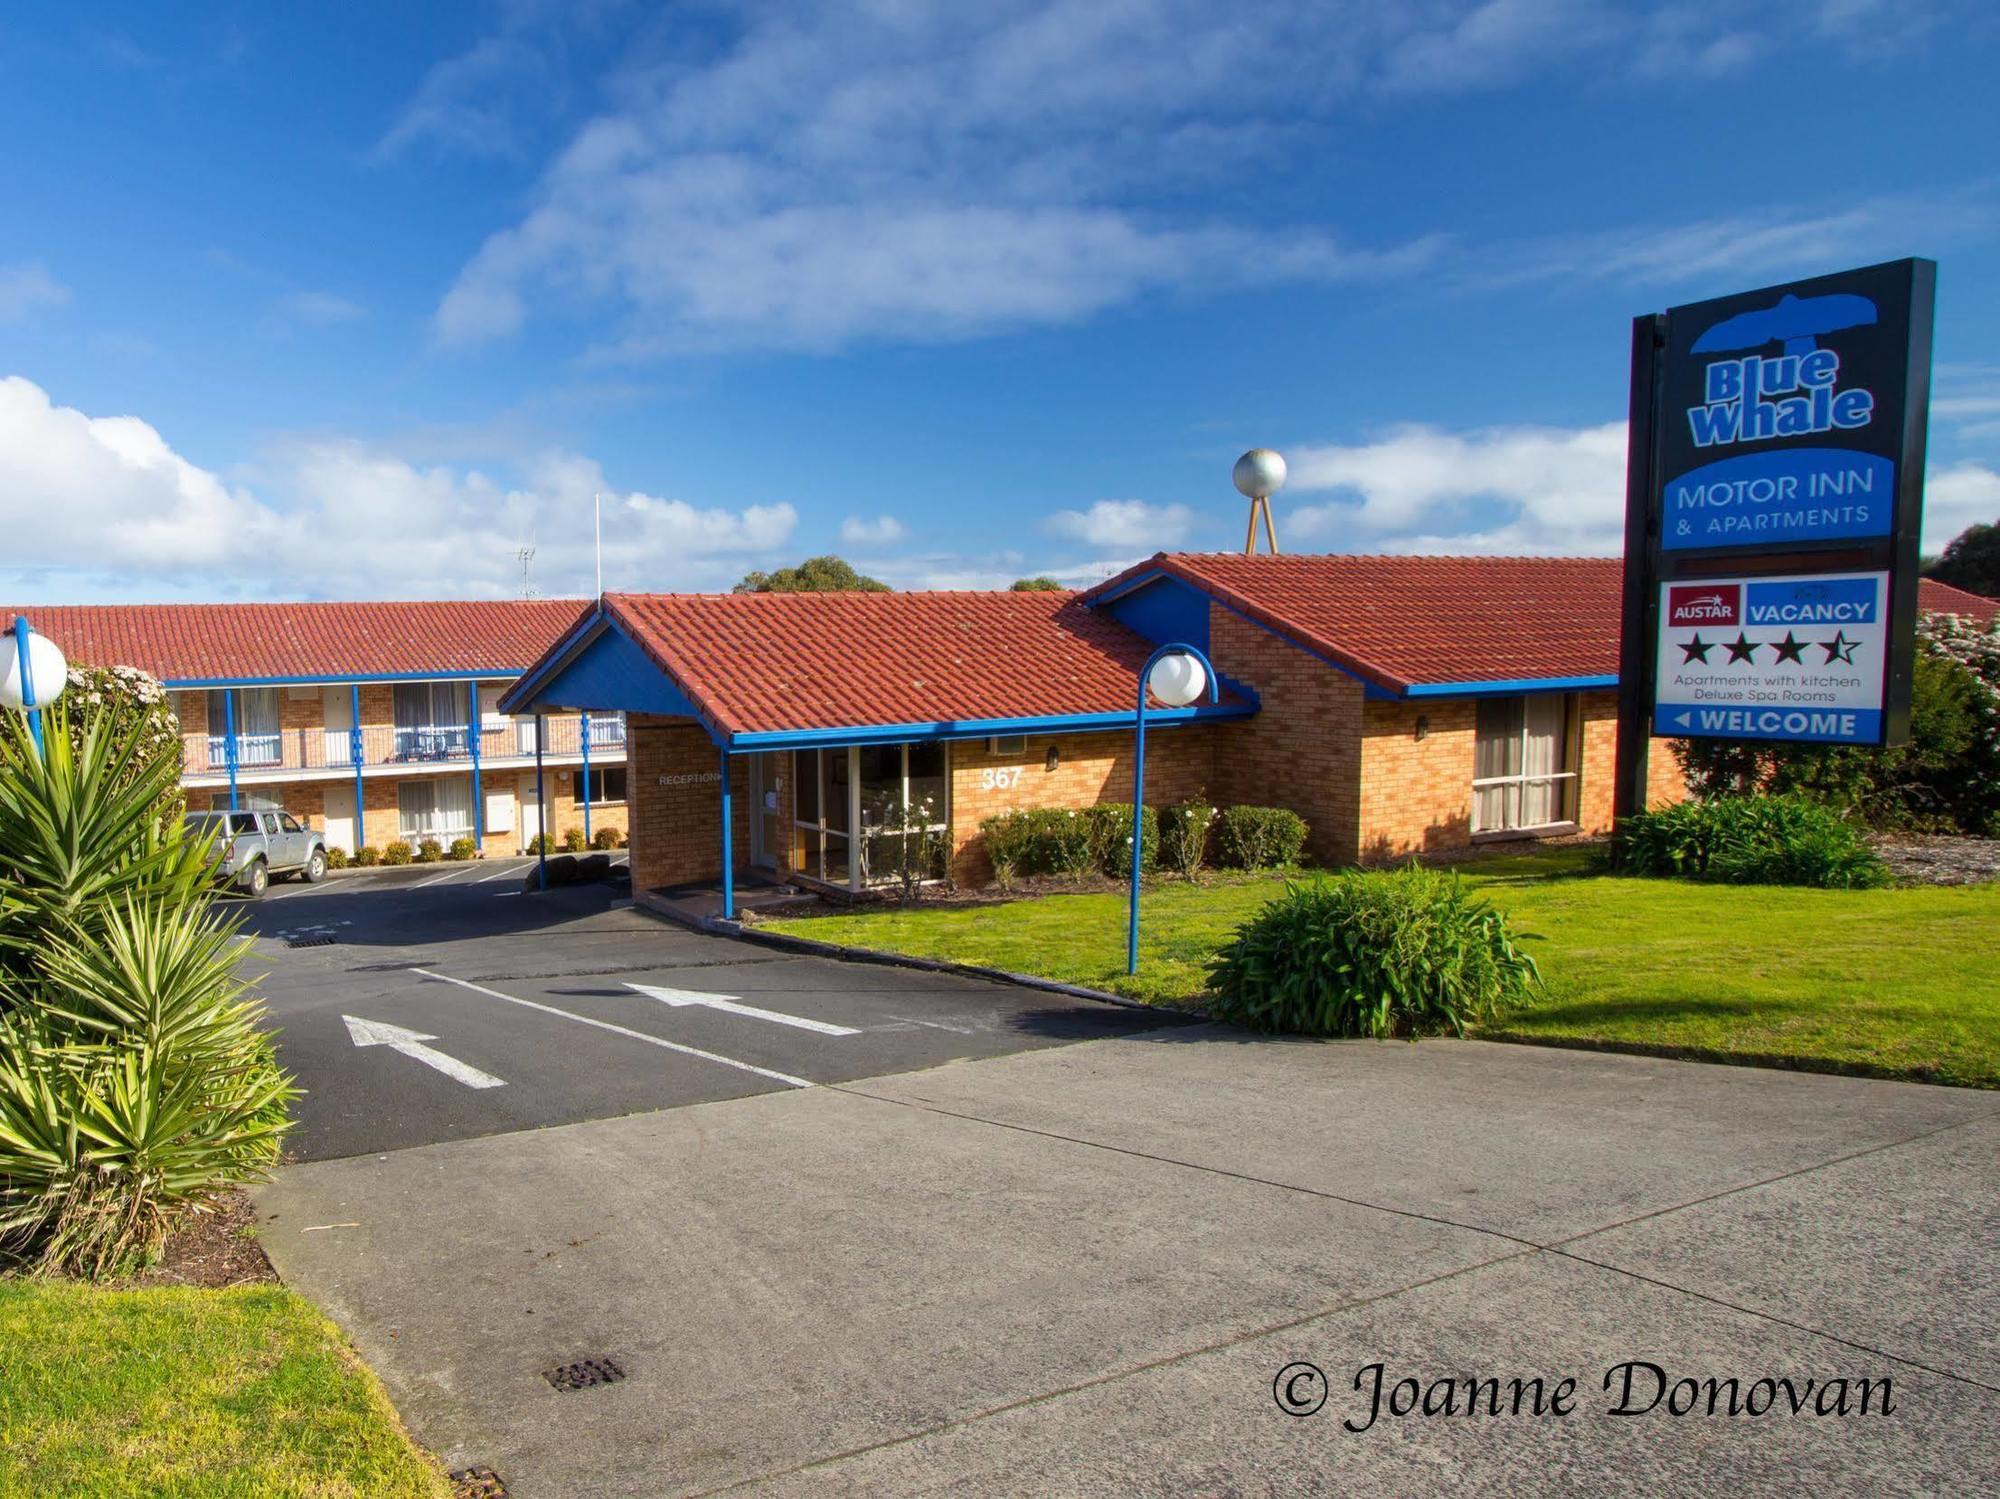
[1888, 983]
[245, 1392]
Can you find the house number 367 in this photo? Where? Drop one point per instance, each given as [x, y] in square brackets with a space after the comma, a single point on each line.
[999, 779]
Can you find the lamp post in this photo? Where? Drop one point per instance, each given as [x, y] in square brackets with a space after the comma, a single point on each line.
[1176, 675]
[34, 657]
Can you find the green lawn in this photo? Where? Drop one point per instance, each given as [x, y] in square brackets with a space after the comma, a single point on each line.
[246, 1392]
[1894, 983]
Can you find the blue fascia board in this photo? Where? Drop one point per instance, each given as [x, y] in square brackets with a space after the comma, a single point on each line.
[1131, 585]
[978, 728]
[601, 665]
[532, 676]
[1510, 688]
[191, 684]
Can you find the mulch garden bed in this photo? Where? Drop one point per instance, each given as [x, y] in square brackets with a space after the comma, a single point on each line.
[212, 1250]
[1939, 859]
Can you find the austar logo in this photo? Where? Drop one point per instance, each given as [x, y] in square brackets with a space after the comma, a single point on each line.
[1704, 604]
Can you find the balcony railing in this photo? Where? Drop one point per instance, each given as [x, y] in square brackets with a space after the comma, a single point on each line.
[499, 740]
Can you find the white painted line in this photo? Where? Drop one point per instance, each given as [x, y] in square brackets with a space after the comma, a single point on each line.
[619, 1030]
[498, 874]
[411, 1044]
[730, 1005]
[937, 1025]
[436, 879]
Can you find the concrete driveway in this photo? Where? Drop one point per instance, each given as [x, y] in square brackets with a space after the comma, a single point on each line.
[1080, 1268]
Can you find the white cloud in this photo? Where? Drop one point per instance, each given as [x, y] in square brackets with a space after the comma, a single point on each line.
[1538, 490]
[107, 499]
[26, 289]
[1963, 495]
[1127, 524]
[316, 309]
[858, 530]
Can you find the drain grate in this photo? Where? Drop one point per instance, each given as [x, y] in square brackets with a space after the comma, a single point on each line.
[583, 1374]
[477, 1483]
[311, 939]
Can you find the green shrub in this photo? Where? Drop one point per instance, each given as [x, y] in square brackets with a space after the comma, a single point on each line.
[1749, 840]
[134, 1077]
[1050, 840]
[396, 853]
[1008, 842]
[1184, 834]
[134, 709]
[462, 849]
[541, 843]
[368, 858]
[574, 842]
[1260, 838]
[1110, 828]
[336, 856]
[607, 838]
[429, 851]
[1367, 953]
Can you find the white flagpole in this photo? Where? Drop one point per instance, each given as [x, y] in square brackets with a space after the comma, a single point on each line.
[597, 509]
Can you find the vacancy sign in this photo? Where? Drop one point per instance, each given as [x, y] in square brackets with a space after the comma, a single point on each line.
[1799, 658]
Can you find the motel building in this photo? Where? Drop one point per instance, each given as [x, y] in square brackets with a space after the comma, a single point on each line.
[372, 722]
[1401, 705]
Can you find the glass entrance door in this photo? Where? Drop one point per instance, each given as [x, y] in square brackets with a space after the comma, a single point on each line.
[767, 825]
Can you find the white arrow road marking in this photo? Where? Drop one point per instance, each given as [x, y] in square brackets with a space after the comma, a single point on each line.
[619, 1030]
[729, 1004]
[411, 1044]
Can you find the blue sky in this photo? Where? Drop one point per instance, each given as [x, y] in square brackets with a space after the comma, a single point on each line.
[358, 300]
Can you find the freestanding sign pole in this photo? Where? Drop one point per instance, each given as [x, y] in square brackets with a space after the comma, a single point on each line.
[1774, 501]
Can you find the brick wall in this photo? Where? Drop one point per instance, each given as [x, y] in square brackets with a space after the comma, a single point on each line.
[676, 828]
[1090, 768]
[1303, 750]
[1416, 793]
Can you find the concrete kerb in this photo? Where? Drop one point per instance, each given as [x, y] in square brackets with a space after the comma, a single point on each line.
[811, 947]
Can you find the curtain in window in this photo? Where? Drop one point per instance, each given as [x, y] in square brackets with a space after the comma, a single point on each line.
[1542, 800]
[430, 720]
[1496, 751]
[257, 724]
[440, 809]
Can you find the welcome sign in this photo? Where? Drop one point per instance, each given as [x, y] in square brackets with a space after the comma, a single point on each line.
[1787, 411]
[1774, 658]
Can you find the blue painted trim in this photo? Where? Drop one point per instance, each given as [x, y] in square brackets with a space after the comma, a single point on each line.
[583, 729]
[975, 728]
[190, 684]
[1139, 778]
[1151, 575]
[354, 753]
[531, 677]
[23, 655]
[728, 852]
[1510, 688]
[541, 809]
[229, 742]
[472, 739]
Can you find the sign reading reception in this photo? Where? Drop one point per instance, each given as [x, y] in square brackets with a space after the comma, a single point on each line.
[1774, 658]
[1786, 410]
[1774, 493]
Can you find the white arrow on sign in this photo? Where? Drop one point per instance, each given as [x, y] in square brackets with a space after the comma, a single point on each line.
[411, 1044]
[1682, 720]
[733, 1006]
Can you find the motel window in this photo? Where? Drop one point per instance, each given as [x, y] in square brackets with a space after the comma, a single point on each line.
[607, 786]
[836, 791]
[431, 721]
[439, 808]
[256, 717]
[1524, 763]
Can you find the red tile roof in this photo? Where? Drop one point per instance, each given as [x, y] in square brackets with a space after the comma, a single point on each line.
[290, 642]
[1934, 597]
[769, 662]
[1405, 621]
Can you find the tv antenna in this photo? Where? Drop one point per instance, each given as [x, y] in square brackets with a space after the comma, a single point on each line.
[526, 557]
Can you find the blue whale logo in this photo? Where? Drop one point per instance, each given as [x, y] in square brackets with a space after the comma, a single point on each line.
[1793, 321]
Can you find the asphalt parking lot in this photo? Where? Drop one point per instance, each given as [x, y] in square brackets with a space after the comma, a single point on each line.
[445, 1002]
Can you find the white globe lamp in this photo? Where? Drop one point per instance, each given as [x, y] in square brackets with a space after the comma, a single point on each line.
[1177, 680]
[49, 671]
[1259, 474]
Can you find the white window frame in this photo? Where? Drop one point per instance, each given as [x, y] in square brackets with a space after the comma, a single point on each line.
[1565, 781]
[444, 835]
[856, 831]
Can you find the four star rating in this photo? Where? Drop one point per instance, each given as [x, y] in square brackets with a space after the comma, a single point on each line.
[1791, 648]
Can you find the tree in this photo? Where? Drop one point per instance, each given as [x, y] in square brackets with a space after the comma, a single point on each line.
[1971, 561]
[827, 574]
[1043, 584]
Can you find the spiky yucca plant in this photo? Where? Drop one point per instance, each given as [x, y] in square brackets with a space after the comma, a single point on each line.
[134, 1079]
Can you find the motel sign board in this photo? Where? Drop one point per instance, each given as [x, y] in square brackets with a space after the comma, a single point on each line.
[1774, 495]
[1773, 658]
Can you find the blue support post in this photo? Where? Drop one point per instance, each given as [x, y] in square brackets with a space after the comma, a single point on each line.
[472, 739]
[1139, 783]
[728, 853]
[354, 754]
[229, 742]
[541, 809]
[22, 630]
[583, 728]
